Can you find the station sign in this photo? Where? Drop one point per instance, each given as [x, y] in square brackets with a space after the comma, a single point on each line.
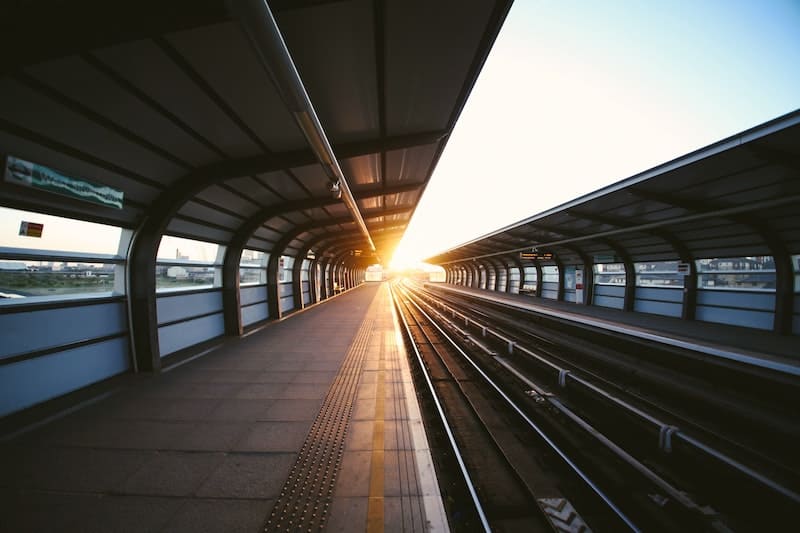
[684, 268]
[536, 255]
[21, 172]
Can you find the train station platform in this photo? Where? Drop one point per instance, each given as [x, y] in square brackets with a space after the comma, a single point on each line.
[308, 421]
[746, 345]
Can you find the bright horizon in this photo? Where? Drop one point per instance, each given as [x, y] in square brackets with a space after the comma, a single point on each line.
[575, 96]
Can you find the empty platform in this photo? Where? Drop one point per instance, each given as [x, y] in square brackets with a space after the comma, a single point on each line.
[308, 422]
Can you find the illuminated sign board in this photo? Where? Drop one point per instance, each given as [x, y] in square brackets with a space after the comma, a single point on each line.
[27, 174]
[536, 255]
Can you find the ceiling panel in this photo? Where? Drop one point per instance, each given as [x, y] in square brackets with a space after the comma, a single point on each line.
[223, 57]
[333, 46]
[253, 189]
[147, 67]
[424, 75]
[363, 170]
[35, 111]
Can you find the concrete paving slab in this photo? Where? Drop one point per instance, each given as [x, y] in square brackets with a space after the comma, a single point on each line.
[219, 515]
[314, 377]
[72, 469]
[261, 391]
[402, 514]
[292, 409]
[241, 409]
[359, 435]
[400, 474]
[248, 475]
[123, 514]
[363, 409]
[346, 515]
[305, 391]
[214, 436]
[277, 376]
[273, 437]
[34, 512]
[353, 478]
[192, 390]
[172, 474]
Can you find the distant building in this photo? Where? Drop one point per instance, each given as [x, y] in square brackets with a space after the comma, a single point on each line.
[15, 266]
[177, 272]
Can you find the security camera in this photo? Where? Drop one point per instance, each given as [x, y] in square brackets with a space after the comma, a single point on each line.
[335, 189]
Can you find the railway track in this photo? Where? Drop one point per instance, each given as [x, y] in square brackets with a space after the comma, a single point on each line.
[606, 436]
[516, 477]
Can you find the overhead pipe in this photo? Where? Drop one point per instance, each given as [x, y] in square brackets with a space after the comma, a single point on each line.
[255, 17]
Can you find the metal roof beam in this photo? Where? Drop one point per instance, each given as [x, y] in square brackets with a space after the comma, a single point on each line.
[259, 24]
[725, 212]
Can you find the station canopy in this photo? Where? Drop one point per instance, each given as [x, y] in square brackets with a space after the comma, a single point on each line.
[174, 104]
[738, 197]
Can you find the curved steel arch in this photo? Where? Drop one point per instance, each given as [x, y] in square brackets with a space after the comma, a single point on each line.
[144, 245]
[230, 269]
[280, 246]
[378, 235]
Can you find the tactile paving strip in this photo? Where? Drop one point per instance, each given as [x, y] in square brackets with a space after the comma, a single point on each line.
[307, 494]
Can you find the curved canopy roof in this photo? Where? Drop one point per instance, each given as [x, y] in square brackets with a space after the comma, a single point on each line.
[738, 197]
[171, 103]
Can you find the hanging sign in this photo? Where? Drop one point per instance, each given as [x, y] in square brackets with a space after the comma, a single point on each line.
[25, 173]
[536, 255]
[683, 268]
[31, 229]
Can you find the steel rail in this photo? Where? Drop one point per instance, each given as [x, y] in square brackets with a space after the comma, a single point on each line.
[566, 375]
[553, 446]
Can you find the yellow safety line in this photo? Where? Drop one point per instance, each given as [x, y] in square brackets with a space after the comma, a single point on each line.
[375, 505]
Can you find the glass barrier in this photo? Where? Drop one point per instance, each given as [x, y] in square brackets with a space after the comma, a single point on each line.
[659, 274]
[253, 267]
[285, 264]
[739, 273]
[186, 264]
[550, 274]
[45, 257]
[609, 274]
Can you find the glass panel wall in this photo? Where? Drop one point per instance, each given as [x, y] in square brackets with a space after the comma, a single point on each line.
[550, 274]
[530, 281]
[48, 257]
[253, 267]
[285, 264]
[609, 274]
[186, 264]
[659, 274]
[737, 273]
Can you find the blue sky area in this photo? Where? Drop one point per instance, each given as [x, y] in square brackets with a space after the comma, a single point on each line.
[577, 95]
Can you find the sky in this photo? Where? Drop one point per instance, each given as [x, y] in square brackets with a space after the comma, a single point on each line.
[576, 95]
